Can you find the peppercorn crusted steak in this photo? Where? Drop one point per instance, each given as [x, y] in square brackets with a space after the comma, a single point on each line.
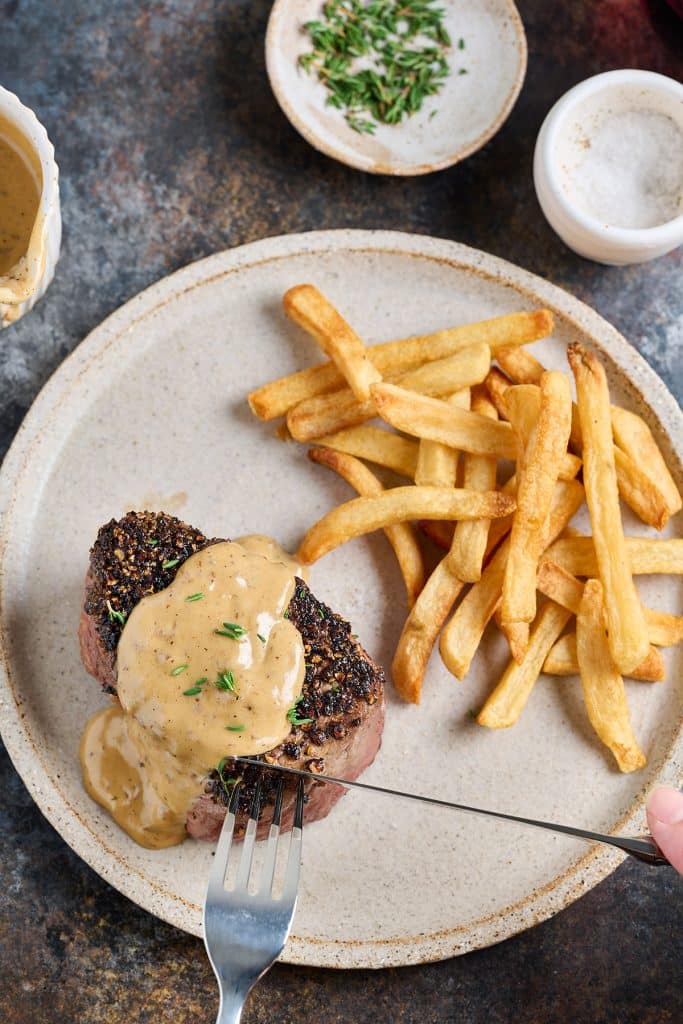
[343, 690]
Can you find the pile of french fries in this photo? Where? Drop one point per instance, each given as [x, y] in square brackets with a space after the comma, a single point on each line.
[509, 553]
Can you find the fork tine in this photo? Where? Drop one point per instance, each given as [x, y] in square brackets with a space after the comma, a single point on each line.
[220, 860]
[244, 869]
[271, 851]
[291, 882]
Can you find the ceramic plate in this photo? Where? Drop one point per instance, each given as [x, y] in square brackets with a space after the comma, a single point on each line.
[150, 412]
[466, 113]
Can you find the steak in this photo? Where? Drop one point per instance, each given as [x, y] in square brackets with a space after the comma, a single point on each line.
[343, 689]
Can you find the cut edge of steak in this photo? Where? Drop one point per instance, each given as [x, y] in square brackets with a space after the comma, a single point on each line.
[343, 689]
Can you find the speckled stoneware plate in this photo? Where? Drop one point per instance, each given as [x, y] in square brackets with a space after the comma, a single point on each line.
[467, 112]
[150, 412]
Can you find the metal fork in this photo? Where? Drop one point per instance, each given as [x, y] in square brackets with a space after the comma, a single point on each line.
[246, 927]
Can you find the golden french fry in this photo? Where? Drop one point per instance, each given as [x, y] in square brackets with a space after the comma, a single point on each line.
[466, 556]
[436, 463]
[395, 357]
[376, 445]
[627, 632]
[437, 421]
[401, 536]
[562, 660]
[308, 307]
[545, 438]
[644, 555]
[633, 436]
[663, 629]
[506, 703]
[496, 384]
[441, 533]
[603, 687]
[519, 364]
[462, 634]
[421, 629]
[329, 413]
[644, 481]
[363, 515]
[639, 492]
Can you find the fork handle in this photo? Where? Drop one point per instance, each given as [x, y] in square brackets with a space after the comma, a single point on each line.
[231, 1005]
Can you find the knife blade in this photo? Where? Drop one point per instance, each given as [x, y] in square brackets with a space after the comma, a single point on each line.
[643, 848]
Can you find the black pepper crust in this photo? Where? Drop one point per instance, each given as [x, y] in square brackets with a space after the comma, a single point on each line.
[126, 564]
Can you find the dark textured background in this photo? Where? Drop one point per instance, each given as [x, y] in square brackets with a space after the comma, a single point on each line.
[170, 147]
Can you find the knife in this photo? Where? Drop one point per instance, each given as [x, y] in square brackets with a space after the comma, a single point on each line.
[643, 848]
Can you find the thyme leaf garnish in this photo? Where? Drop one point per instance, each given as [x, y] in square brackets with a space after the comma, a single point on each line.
[235, 728]
[293, 715]
[178, 669]
[170, 563]
[226, 681]
[400, 46]
[195, 597]
[195, 688]
[115, 616]
[231, 630]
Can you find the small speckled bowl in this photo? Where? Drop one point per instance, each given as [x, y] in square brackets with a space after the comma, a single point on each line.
[27, 281]
[568, 134]
[476, 98]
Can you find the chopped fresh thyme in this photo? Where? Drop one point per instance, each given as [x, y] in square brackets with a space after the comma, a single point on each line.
[195, 688]
[153, 542]
[293, 715]
[235, 728]
[115, 616]
[400, 47]
[232, 630]
[220, 767]
[170, 563]
[194, 597]
[321, 613]
[261, 638]
[226, 681]
[178, 669]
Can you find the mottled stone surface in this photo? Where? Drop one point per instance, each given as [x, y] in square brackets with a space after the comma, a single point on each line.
[171, 146]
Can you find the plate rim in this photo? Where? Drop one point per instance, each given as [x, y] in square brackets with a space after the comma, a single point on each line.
[392, 169]
[536, 906]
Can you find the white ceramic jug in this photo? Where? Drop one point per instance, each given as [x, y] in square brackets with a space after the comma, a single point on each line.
[22, 284]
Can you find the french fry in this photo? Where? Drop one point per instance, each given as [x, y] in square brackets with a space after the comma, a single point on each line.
[639, 492]
[663, 629]
[633, 436]
[644, 481]
[363, 515]
[462, 634]
[436, 463]
[396, 357]
[562, 660]
[627, 632]
[603, 687]
[506, 703]
[519, 364]
[308, 307]
[327, 414]
[466, 555]
[376, 445]
[545, 442]
[644, 555]
[496, 384]
[401, 536]
[435, 420]
[441, 533]
[421, 629]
